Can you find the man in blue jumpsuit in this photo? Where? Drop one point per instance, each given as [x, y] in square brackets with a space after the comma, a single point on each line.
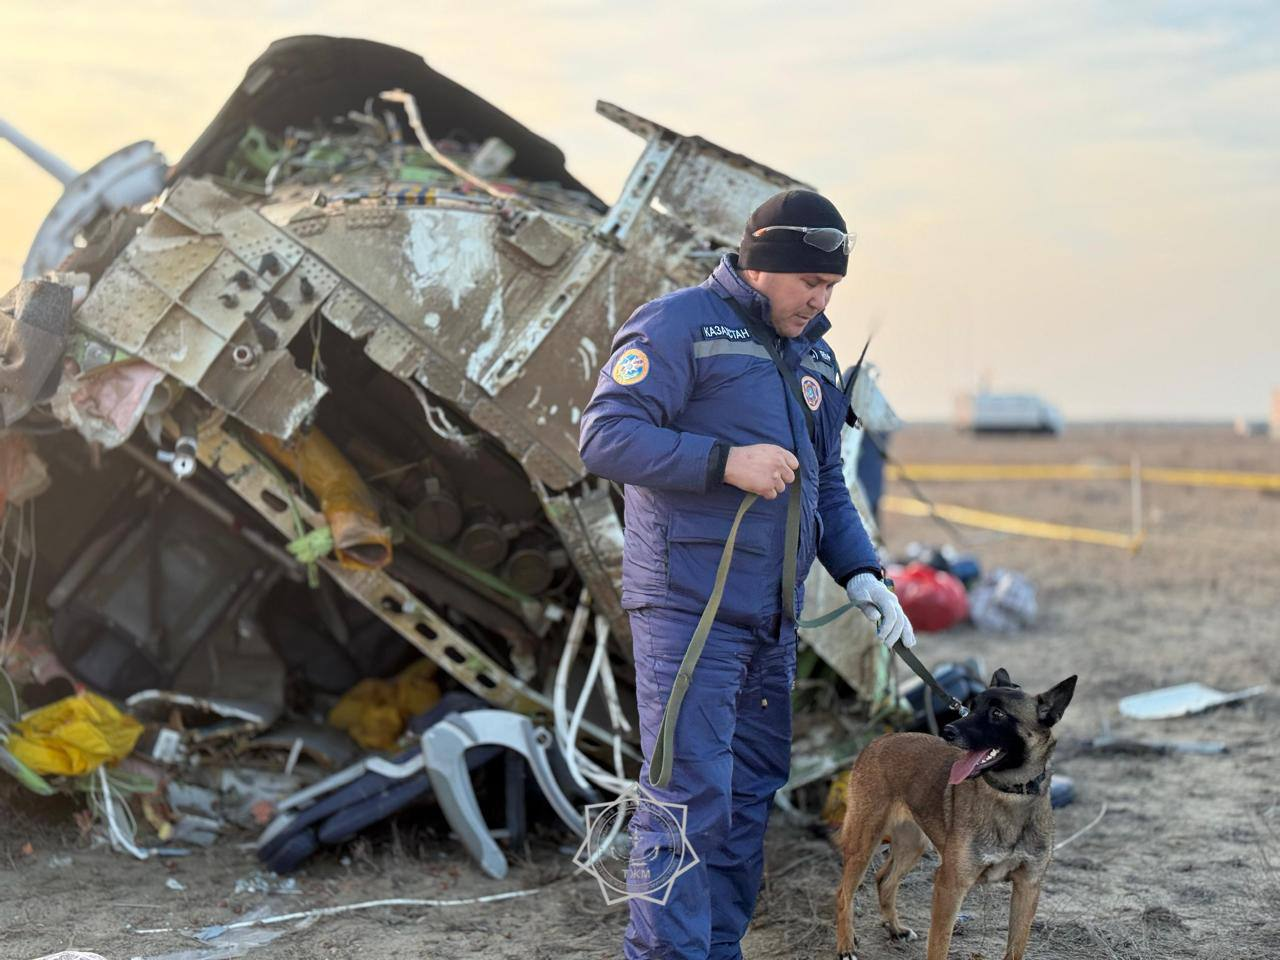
[691, 413]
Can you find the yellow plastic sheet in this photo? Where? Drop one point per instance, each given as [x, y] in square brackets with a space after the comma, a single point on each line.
[73, 736]
[375, 712]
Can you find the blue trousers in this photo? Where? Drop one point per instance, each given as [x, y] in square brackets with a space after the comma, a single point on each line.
[732, 753]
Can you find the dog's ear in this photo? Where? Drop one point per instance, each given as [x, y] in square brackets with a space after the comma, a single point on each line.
[1001, 679]
[1051, 704]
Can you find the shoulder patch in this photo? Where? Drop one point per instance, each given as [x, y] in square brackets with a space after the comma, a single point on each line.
[631, 367]
[812, 391]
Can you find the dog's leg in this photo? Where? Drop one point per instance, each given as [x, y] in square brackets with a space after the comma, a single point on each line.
[907, 845]
[859, 837]
[1022, 910]
[950, 886]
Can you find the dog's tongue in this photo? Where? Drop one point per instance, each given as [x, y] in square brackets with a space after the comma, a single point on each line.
[962, 769]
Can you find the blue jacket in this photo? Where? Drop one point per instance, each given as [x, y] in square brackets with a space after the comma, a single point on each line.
[686, 380]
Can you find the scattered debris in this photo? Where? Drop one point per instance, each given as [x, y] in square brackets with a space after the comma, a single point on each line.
[1062, 791]
[932, 599]
[262, 883]
[1083, 830]
[1181, 700]
[209, 934]
[173, 884]
[349, 335]
[1003, 601]
[230, 943]
[1109, 743]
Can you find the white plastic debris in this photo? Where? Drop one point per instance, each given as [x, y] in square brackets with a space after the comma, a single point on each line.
[1179, 701]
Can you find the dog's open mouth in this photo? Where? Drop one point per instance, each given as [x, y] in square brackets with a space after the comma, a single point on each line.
[973, 763]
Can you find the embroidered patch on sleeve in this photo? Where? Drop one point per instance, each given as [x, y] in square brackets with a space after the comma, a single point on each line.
[812, 391]
[631, 367]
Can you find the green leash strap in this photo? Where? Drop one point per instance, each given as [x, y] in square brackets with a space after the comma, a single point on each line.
[828, 617]
[664, 747]
[904, 653]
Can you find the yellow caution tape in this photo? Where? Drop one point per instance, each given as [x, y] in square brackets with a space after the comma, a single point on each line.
[1083, 471]
[1211, 478]
[1006, 523]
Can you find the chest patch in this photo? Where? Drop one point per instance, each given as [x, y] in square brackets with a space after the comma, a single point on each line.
[812, 391]
[631, 367]
[717, 331]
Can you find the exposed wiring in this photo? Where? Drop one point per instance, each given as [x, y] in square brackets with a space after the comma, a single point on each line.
[410, 104]
[588, 684]
[211, 933]
[439, 423]
[107, 807]
[577, 627]
[8, 636]
[1083, 830]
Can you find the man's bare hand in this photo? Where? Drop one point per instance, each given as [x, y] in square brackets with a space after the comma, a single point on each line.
[762, 469]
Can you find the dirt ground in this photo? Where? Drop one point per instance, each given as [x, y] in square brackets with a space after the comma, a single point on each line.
[1185, 863]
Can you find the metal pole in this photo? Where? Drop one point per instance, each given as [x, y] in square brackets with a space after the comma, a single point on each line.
[50, 162]
[1135, 495]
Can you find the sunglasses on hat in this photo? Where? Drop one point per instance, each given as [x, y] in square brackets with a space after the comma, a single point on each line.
[826, 239]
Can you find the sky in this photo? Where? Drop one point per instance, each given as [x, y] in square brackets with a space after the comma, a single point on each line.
[1079, 200]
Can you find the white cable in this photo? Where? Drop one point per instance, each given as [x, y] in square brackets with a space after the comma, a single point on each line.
[581, 767]
[439, 423]
[588, 684]
[410, 105]
[117, 835]
[348, 907]
[577, 626]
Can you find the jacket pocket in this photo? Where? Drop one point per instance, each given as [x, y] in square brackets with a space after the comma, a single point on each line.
[694, 546]
[644, 564]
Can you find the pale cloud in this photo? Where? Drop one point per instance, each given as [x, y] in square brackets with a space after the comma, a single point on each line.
[1077, 198]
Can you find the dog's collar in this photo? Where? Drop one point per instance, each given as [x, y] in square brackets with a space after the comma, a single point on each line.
[1031, 787]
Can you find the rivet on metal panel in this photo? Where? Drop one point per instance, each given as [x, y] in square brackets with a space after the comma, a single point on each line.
[244, 356]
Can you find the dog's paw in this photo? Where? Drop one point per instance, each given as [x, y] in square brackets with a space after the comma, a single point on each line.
[902, 934]
[849, 955]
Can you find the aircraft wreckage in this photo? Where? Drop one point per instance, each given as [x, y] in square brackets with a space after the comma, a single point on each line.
[367, 338]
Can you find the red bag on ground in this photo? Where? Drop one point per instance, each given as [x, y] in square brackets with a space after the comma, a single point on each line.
[931, 599]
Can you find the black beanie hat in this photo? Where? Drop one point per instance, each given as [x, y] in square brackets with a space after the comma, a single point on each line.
[784, 251]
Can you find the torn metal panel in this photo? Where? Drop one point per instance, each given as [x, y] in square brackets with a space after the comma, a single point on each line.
[591, 532]
[35, 319]
[325, 746]
[211, 293]
[382, 594]
[682, 192]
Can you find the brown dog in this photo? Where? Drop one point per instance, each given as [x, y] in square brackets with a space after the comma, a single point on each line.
[981, 798]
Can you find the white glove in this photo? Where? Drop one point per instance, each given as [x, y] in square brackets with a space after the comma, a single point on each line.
[881, 607]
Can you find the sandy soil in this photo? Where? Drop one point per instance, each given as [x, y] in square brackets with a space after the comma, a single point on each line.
[1186, 862]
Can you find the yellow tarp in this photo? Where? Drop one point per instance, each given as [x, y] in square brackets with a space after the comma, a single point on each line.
[375, 712]
[73, 736]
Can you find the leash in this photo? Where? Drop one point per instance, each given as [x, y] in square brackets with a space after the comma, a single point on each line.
[664, 745]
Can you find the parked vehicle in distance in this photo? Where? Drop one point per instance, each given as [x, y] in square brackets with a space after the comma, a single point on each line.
[1007, 413]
